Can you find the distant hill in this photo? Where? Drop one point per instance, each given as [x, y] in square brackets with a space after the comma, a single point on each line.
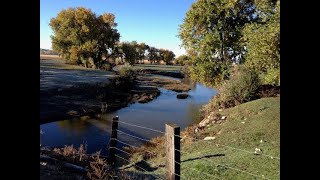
[47, 52]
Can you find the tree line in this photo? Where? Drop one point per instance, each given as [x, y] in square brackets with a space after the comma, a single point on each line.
[82, 37]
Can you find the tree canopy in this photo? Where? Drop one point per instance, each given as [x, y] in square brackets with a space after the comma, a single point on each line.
[130, 51]
[182, 60]
[80, 35]
[262, 42]
[167, 56]
[212, 33]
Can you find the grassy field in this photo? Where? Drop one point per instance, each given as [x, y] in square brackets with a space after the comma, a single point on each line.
[158, 67]
[252, 125]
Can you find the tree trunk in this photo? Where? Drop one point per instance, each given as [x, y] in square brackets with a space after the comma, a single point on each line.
[222, 46]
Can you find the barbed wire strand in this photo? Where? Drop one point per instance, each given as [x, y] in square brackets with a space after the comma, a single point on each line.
[210, 175]
[155, 130]
[132, 146]
[138, 166]
[250, 152]
[146, 140]
[141, 159]
[235, 169]
[128, 153]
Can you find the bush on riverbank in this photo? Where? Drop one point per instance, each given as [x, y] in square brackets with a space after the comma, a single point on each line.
[240, 88]
[127, 72]
[125, 80]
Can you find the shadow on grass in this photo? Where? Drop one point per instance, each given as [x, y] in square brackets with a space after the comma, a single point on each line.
[202, 157]
[142, 168]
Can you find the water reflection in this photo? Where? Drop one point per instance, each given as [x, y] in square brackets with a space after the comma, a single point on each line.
[96, 133]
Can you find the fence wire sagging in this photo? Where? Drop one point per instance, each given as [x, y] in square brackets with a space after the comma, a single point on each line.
[173, 163]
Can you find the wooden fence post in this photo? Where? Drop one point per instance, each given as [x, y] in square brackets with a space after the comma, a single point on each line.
[172, 152]
[113, 141]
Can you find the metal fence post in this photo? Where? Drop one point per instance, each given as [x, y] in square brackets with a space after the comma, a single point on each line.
[113, 140]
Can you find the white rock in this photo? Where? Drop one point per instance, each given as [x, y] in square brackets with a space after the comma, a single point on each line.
[43, 163]
[257, 150]
[220, 109]
[224, 117]
[196, 130]
[209, 138]
[261, 141]
[243, 122]
[204, 122]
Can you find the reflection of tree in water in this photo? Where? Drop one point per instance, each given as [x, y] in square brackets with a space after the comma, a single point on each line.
[80, 126]
[188, 81]
[77, 126]
[194, 113]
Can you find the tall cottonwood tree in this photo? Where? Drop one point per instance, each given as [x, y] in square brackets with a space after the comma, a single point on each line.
[80, 35]
[211, 31]
[262, 42]
[167, 56]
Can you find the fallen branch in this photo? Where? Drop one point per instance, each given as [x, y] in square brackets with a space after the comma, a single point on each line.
[63, 164]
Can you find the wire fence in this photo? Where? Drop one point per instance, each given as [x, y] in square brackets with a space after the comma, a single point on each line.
[209, 162]
[162, 165]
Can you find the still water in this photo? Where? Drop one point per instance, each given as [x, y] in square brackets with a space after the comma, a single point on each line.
[96, 133]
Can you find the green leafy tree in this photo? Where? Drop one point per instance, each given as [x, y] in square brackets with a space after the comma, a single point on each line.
[130, 52]
[211, 31]
[153, 55]
[142, 51]
[182, 60]
[262, 42]
[167, 56]
[80, 35]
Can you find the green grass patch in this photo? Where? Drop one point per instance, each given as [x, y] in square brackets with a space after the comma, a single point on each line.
[251, 125]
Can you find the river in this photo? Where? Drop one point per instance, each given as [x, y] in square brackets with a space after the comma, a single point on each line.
[96, 133]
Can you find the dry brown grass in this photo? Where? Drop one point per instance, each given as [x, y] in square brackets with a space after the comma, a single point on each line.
[169, 84]
[156, 147]
[99, 168]
[50, 57]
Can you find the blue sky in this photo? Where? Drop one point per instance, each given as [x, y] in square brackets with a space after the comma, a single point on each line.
[154, 22]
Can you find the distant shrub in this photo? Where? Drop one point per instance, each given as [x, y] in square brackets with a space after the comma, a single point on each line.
[125, 81]
[127, 72]
[240, 88]
[106, 66]
[118, 61]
